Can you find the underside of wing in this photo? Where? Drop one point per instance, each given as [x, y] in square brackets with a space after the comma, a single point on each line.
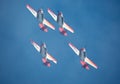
[37, 47]
[48, 24]
[68, 27]
[90, 63]
[74, 49]
[51, 58]
[32, 10]
[54, 16]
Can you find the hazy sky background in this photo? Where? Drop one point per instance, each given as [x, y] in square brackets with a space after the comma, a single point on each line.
[97, 28]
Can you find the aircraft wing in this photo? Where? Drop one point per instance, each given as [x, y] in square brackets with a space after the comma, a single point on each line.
[32, 10]
[68, 27]
[37, 47]
[51, 58]
[48, 24]
[74, 49]
[54, 16]
[90, 62]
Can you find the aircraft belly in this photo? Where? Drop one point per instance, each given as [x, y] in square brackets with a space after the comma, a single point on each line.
[40, 17]
[82, 56]
[43, 55]
[60, 24]
[60, 21]
[43, 52]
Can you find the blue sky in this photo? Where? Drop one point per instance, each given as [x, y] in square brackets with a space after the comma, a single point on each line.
[96, 24]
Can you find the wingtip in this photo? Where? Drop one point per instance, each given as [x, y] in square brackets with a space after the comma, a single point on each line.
[96, 67]
[55, 62]
[70, 44]
[73, 31]
[49, 9]
[53, 27]
[27, 5]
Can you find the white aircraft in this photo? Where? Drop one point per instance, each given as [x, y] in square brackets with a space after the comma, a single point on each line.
[82, 54]
[59, 19]
[40, 16]
[43, 51]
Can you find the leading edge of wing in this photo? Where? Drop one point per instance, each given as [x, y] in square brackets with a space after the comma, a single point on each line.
[31, 10]
[37, 47]
[54, 16]
[48, 24]
[90, 62]
[74, 48]
[51, 58]
[68, 27]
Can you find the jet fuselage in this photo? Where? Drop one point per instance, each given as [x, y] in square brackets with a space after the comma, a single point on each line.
[82, 54]
[43, 50]
[40, 15]
[60, 20]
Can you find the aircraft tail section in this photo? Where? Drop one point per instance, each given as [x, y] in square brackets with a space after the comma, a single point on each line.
[62, 31]
[45, 62]
[84, 65]
[43, 28]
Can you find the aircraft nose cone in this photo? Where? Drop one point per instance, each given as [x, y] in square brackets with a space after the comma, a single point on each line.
[60, 13]
[41, 10]
[83, 49]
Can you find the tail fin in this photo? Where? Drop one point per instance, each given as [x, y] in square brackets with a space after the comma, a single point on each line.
[43, 28]
[45, 62]
[62, 31]
[84, 65]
